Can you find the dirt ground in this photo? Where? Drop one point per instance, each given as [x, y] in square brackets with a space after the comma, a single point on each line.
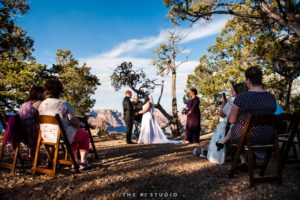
[164, 171]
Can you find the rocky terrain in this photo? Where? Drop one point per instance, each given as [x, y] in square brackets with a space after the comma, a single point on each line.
[115, 123]
[162, 171]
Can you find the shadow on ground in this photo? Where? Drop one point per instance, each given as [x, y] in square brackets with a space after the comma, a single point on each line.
[147, 172]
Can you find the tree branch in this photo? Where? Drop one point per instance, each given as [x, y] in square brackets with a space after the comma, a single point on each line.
[161, 91]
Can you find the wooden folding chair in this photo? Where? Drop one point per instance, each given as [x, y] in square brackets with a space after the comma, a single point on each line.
[52, 147]
[16, 152]
[290, 139]
[86, 126]
[245, 144]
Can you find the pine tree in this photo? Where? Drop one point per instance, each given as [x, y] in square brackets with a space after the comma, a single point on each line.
[18, 70]
[79, 84]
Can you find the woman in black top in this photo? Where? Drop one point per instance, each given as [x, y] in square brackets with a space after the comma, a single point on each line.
[256, 101]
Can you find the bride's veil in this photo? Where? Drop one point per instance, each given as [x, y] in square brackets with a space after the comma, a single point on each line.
[152, 104]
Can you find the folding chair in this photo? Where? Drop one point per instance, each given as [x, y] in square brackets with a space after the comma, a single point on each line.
[245, 144]
[51, 128]
[16, 151]
[290, 139]
[86, 126]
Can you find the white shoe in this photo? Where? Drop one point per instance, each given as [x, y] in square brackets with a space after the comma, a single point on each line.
[85, 166]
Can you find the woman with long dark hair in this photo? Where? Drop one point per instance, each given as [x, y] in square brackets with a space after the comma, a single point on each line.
[29, 113]
[193, 117]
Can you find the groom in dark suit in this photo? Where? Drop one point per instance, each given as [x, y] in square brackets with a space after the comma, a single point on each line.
[128, 115]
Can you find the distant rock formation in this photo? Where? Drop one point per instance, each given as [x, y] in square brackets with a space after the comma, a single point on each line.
[115, 123]
[112, 118]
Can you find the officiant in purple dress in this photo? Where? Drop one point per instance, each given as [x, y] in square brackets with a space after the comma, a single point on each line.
[193, 117]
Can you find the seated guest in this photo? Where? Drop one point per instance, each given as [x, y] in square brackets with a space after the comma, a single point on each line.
[213, 155]
[29, 113]
[78, 137]
[256, 101]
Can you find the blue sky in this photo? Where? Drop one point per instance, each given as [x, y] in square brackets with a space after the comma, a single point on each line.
[104, 33]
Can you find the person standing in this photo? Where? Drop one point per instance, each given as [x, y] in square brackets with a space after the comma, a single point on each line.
[137, 106]
[128, 115]
[193, 117]
[151, 132]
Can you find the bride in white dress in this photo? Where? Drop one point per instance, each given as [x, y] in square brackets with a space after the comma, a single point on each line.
[151, 132]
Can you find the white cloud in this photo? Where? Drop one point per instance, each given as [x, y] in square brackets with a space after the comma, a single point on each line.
[104, 64]
[197, 31]
[105, 95]
[134, 45]
[186, 51]
[101, 64]
[203, 29]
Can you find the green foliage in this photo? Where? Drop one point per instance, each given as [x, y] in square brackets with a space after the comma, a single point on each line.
[241, 45]
[124, 75]
[295, 100]
[79, 84]
[17, 77]
[13, 40]
[284, 13]
[19, 71]
[209, 83]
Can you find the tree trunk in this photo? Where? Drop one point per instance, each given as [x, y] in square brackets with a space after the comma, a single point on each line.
[173, 119]
[290, 22]
[174, 99]
[163, 111]
[288, 95]
[159, 107]
[295, 27]
[175, 125]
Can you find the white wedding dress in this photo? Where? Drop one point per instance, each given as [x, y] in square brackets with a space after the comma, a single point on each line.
[151, 132]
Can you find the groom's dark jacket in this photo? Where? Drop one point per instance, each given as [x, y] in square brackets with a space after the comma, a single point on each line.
[128, 111]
